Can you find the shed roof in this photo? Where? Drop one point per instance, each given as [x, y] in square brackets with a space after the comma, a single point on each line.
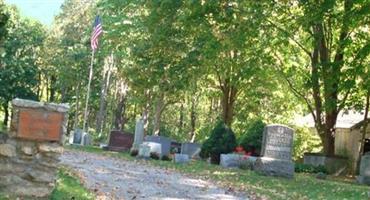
[346, 119]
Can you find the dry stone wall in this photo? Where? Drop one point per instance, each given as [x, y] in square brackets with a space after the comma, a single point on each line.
[29, 153]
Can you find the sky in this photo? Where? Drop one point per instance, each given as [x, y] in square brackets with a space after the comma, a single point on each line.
[42, 10]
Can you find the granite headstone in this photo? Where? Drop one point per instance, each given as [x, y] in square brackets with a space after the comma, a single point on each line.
[164, 141]
[144, 151]
[181, 158]
[154, 147]
[364, 176]
[139, 134]
[77, 136]
[120, 141]
[276, 152]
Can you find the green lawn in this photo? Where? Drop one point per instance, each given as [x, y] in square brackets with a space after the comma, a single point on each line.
[68, 187]
[303, 186]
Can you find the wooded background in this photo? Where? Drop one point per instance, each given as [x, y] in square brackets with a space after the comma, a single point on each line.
[183, 65]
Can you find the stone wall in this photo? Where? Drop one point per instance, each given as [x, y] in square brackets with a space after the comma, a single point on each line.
[29, 153]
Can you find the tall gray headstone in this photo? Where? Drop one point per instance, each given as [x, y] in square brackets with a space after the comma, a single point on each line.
[276, 152]
[164, 141]
[364, 176]
[139, 134]
[77, 136]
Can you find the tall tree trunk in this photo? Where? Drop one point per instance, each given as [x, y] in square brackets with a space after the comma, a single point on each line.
[193, 118]
[52, 88]
[119, 122]
[75, 120]
[228, 101]
[159, 106]
[109, 62]
[181, 118]
[364, 131]
[145, 113]
[6, 114]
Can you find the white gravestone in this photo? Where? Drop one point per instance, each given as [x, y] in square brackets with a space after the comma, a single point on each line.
[144, 151]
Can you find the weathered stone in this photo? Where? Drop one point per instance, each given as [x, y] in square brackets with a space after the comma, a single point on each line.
[154, 147]
[364, 175]
[191, 149]
[86, 139]
[120, 141]
[274, 167]
[276, 152]
[28, 164]
[44, 176]
[139, 134]
[164, 141]
[7, 150]
[144, 151]
[33, 191]
[50, 147]
[181, 158]
[28, 150]
[63, 108]
[76, 136]
[230, 160]
[236, 161]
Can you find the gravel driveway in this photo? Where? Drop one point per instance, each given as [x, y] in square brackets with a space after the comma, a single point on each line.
[112, 178]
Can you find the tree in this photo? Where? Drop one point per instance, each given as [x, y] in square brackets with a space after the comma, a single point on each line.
[318, 45]
[20, 60]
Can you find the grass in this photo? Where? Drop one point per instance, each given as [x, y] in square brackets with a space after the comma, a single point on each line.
[68, 187]
[302, 186]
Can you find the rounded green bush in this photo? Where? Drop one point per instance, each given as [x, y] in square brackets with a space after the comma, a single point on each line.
[251, 140]
[221, 141]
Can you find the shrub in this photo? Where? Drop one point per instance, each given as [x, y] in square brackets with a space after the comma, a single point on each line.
[251, 140]
[134, 152]
[222, 140]
[305, 141]
[154, 155]
[166, 158]
[305, 168]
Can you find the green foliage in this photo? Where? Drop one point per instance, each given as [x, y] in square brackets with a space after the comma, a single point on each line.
[166, 158]
[68, 187]
[251, 140]
[305, 141]
[134, 152]
[305, 168]
[222, 140]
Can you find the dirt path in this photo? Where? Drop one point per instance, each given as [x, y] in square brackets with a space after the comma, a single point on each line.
[113, 178]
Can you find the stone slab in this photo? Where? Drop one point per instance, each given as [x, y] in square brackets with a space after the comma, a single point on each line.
[274, 167]
[40, 125]
[236, 160]
[144, 151]
[181, 158]
[164, 141]
[364, 175]
[120, 141]
[277, 142]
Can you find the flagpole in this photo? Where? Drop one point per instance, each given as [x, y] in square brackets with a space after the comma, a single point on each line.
[88, 91]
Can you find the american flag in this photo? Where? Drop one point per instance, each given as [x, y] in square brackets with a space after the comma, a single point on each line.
[98, 30]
